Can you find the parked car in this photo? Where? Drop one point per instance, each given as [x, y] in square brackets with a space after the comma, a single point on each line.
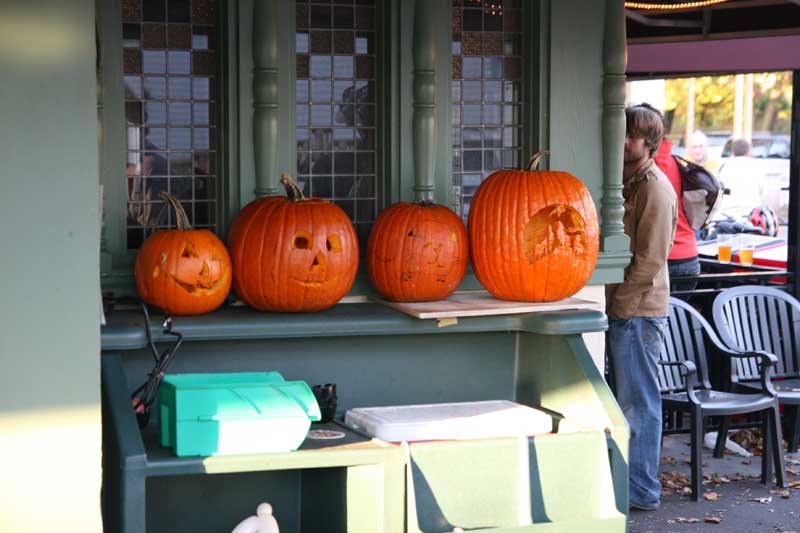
[772, 151]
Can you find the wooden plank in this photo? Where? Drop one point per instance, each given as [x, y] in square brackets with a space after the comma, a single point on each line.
[481, 303]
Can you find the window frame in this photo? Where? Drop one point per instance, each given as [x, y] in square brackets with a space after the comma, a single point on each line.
[236, 182]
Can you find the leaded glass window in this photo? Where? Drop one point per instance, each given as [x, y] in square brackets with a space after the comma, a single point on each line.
[486, 93]
[335, 106]
[170, 78]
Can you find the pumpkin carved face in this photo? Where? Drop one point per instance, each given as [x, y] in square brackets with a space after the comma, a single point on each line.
[294, 254]
[534, 234]
[183, 271]
[417, 252]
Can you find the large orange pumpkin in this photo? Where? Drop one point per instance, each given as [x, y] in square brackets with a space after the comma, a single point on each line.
[417, 252]
[183, 271]
[292, 254]
[533, 234]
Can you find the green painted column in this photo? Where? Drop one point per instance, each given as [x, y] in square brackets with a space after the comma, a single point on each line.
[50, 420]
[424, 123]
[265, 96]
[612, 232]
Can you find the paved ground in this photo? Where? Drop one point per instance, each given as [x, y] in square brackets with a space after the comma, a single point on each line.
[742, 504]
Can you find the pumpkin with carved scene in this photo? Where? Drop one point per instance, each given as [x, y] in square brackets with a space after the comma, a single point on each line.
[417, 252]
[534, 234]
[183, 271]
[292, 254]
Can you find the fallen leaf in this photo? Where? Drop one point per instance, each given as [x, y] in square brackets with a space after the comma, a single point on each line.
[669, 460]
[793, 471]
[712, 519]
[794, 484]
[711, 496]
[683, 520]
[792, 460]
[764, 499]
[783, 493]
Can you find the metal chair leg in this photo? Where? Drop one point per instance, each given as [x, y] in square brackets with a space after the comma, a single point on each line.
[793, 427]
[777, 446]
[697, 453]
[722, 436]
[766, 445]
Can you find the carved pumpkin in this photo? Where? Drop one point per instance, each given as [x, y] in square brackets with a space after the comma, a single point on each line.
[183, 271]
[533, 233]
[417, 252]
[292, 254]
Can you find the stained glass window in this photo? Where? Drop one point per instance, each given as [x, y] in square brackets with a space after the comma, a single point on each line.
[170, 78]
[486, 93]
[335, 106]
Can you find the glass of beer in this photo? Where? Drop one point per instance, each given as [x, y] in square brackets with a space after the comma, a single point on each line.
[724, 246]
[746, 247]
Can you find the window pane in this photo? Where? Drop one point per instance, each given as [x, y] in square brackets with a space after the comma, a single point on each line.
[487, 110]
[335, 99]
[169, 114]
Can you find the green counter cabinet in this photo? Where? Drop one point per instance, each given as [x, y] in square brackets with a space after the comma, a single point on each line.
[575, 479]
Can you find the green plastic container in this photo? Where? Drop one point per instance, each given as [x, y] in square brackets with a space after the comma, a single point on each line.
[237, 413]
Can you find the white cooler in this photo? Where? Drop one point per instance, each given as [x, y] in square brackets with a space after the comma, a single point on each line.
[449, 421]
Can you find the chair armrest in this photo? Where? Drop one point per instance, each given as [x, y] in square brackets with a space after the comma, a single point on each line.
[768, 361]
[690, 372]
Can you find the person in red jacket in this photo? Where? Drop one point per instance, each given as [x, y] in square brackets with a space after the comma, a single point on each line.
[682, 259]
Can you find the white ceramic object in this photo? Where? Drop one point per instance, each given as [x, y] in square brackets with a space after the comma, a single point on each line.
[263, 522]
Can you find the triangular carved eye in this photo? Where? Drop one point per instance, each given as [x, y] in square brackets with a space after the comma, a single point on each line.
[413, 232]
[189, 250]
[333, 243]
[302, 240]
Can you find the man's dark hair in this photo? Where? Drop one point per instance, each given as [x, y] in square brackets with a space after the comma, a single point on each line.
[740, 147]
[643, 121]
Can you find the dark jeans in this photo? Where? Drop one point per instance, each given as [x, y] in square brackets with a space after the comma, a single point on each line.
[683, 267]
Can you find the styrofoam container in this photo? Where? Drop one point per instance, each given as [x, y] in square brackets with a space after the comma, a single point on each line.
[449, 421]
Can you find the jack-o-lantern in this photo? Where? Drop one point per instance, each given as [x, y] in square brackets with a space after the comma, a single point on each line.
[533, 234]
[292, 254]
[417, 252]
[183, 271]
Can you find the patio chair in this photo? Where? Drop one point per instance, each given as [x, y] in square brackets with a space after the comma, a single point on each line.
[683, 379]
[766, 319]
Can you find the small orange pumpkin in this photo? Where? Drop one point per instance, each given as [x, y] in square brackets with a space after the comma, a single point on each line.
[183, 271]
[533, 234]
[417, 252]
[295, 254]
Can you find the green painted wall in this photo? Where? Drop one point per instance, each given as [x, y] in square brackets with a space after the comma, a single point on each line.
[49, 346]
[576, 90]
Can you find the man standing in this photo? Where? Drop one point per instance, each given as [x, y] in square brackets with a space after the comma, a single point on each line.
[637, 308]
[745, 179]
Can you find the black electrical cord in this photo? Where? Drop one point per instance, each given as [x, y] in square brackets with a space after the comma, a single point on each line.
[144, 396]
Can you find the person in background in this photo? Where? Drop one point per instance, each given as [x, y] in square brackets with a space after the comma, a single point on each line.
[638, 307]
[697, 152]
[745, 180]
[683, 259]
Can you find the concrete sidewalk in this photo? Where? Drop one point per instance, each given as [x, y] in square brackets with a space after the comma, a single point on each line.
[742, 504]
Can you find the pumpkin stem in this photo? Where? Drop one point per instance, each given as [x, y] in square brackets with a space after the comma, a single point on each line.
[534, 161]
[292, 189]
[425, 203]
[181, 220]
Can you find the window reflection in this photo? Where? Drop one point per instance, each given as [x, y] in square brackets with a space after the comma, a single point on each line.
[169, 79]
[335, 105]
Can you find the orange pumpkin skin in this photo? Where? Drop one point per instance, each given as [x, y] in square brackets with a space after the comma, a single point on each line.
[534, 235]
[292, 256]
[183, 271]
[417, 252]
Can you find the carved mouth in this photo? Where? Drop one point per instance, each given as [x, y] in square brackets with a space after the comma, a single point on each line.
[314, 284]
[203, 286]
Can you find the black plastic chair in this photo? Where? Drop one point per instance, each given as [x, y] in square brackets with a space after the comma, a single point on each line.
[683, 379]
[753, 317]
